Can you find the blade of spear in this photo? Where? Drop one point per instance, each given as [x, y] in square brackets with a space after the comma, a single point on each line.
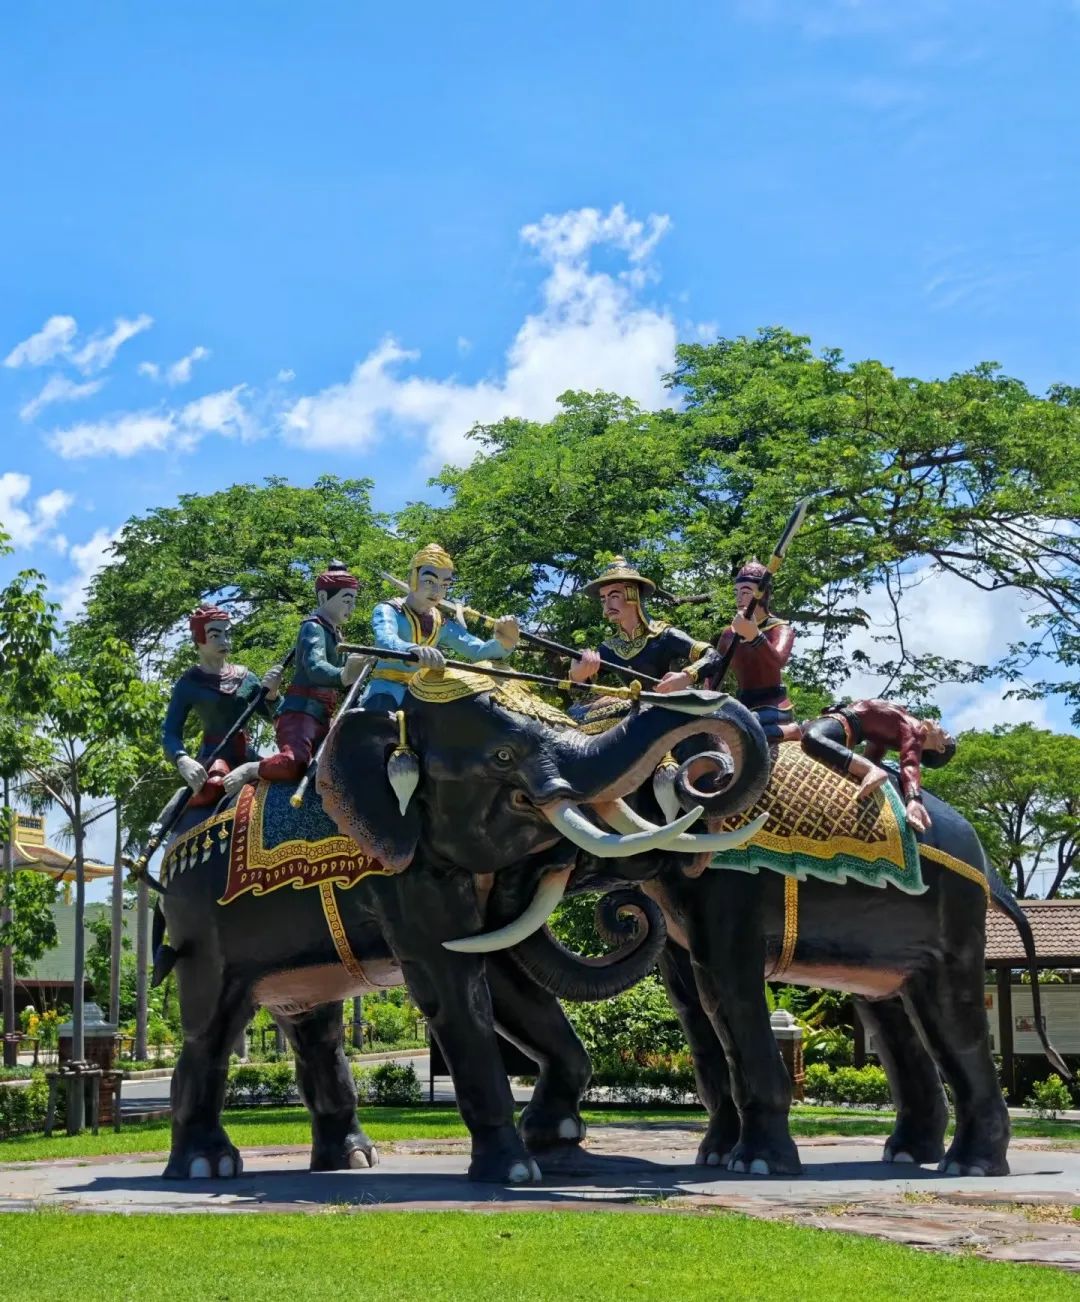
[297, 797]
[527, 635]
[170, 815]
[794, 524]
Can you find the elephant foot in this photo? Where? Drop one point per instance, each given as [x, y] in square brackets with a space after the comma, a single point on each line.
[721, 1136]
[906, 1144]
[543, 1129]
[958, 1162]
[499, 1157]
[777, 1156]
[204, 1161]
[356, 1152]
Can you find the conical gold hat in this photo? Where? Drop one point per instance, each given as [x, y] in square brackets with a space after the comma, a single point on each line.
[620, 571]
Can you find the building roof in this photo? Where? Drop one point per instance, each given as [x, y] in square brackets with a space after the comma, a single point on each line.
[1055, 925]
[33, 852]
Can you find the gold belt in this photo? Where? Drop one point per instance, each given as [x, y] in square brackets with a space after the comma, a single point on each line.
[394, 675]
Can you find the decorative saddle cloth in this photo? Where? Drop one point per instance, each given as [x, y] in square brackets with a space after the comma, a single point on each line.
[271, 845]
[816, 828]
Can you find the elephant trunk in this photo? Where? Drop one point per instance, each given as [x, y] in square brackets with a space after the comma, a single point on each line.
[615, 763]
[626, 916]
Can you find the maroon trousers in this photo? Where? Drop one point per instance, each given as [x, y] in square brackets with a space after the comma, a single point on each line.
[297, 736]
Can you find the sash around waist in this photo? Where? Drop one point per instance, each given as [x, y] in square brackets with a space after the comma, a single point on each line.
[393, 675]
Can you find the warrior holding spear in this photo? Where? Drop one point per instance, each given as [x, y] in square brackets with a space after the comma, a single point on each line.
[415, 623]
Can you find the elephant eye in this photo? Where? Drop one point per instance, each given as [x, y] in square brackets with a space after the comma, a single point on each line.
[504, 755]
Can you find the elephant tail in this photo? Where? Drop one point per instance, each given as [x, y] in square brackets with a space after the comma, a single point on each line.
[1006, 902]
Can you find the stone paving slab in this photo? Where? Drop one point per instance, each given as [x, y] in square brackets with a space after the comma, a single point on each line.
[1026, 1216]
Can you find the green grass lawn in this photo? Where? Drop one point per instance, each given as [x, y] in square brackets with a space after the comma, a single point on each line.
[470, 1255]
[258, 1127]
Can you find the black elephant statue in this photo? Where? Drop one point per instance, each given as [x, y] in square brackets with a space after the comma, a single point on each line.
[912, 958]
[419, 821]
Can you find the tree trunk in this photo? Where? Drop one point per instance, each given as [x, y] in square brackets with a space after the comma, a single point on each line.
[142, 946]
[76, 1098]
[11, 1045]
[117, 921]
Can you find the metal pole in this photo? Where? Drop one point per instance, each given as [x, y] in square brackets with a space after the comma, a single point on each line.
[11, 1045]
[142, 948]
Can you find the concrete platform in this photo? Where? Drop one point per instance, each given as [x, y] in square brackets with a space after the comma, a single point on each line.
[1026, 1216]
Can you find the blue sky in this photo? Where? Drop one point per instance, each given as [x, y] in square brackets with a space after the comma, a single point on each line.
[238, 240]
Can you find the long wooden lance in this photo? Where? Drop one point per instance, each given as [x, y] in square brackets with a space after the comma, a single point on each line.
[631, 693]
[169, 816]
[527, 635]
[792, 527]
[297, 797]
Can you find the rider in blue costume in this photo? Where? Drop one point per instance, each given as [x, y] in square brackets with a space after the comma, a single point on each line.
[415, 623]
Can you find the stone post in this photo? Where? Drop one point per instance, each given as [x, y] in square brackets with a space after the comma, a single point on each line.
[788, 1035]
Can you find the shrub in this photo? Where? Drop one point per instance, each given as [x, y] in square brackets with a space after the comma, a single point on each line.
[280, 1082]
[638, 1026]
[1049, 1097]
[390, 1084]
[855, 1086]
[246, 1085]
[23, 1107]
[389, 1022]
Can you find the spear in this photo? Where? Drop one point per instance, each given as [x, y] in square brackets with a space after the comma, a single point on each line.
[169, 816]
[297, 797]
[792, 527]
[534, 639]
[632, 693]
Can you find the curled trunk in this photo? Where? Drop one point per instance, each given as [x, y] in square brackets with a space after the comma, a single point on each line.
[624, 916]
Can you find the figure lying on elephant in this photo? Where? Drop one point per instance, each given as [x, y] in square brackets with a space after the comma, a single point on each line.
[503, 801]
[911, 952]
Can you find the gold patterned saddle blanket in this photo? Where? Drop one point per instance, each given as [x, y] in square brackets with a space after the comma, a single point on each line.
[271, 845]
[816, 828]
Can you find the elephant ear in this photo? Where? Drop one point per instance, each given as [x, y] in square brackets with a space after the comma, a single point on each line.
[356, 792]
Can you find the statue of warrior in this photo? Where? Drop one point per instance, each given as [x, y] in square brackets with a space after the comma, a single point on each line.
[319, 673]
[883, 726]
[638, 643]
[415, 623]
[217, 692]
[763, 645]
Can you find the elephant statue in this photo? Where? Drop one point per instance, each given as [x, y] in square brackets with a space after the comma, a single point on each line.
[913, 959]
[419, 820]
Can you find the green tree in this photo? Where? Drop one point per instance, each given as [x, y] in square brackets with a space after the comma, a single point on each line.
[30, 928]
[1020, 789]
[255, 549]
[27, 625]
[96, 700]
[970, 475]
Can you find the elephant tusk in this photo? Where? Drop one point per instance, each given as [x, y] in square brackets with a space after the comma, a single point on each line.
[611, 845]
[624, 819]
[663, 785]
[549, 892]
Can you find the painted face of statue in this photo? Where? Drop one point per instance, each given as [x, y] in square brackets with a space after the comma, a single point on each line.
[616, 604]
[744, 594]
[215, 650]
[934, 736]
[433, 584]
[337, 606]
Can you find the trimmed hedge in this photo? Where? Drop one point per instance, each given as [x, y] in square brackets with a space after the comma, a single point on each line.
[389, 1084]
[23, 1107]
[859, 1086]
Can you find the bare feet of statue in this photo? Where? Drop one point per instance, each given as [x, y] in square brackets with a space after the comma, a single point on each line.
[239, 776]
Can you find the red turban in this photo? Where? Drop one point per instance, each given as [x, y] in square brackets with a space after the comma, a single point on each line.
[198, 620]
[334, 578]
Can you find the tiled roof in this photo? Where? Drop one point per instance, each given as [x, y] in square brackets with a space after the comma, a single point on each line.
[43, 858]
[1054, 923]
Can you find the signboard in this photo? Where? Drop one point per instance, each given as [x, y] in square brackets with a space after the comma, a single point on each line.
[1061, 1017]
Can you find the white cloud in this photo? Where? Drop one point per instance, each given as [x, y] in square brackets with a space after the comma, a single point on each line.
[25, 522]
[177, 372]
[125, 435]
[98, 352]
[52, 340]
[285, 376]
[58, 388]
[87, 558]
[591, 332]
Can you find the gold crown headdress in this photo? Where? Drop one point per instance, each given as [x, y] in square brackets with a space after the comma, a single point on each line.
[432, 554]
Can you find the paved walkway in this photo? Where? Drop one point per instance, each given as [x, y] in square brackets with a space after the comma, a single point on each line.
[1027, 1216]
